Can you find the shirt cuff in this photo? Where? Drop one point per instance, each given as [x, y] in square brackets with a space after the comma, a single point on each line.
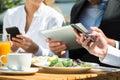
[44, 52]
[50, 53]
[117, 44]
[67, 54]
[39, 52]
[112, 56]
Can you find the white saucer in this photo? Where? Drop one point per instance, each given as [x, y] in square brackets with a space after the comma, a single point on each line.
[30, 71]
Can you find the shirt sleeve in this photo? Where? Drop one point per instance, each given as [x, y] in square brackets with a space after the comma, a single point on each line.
[117, 44]
[67, 54]
[6, 22]
[39, 52]
[112, 57]
[44, 52]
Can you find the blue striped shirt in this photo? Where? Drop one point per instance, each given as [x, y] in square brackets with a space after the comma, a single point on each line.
[92, 14]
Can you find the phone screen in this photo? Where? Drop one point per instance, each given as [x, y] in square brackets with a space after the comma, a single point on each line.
[13, 31]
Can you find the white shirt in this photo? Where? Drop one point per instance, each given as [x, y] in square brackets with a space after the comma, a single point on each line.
[112, 57]
[45, 18]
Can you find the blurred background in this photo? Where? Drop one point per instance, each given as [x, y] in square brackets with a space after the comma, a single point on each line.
[64, 7]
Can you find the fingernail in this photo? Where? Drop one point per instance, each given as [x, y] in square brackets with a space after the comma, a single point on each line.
[58, 43]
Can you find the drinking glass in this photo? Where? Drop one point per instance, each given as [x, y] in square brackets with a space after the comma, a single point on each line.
[5, 47]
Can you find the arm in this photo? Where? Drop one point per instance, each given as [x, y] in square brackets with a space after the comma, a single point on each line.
[97, 48]
[25, 43]
[6, 23]
[21, 41]
[100, 48]
[57, 47]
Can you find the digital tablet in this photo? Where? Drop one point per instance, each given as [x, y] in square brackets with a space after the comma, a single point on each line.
[64, 34]
[79, 29]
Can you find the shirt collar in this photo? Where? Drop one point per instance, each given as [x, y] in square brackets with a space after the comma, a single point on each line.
[38, 12]
[24, 12]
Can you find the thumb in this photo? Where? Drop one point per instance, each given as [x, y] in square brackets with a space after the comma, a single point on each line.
[95, 29]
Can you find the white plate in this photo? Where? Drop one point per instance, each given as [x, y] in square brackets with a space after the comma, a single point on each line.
[69, 70]
[46, 64]
[94, 64]
[65, 70]
[45, 68]
[30, 71]
[108, 69]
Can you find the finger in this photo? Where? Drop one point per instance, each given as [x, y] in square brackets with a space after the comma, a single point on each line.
[54, 44]
[78, 41]
[17, 40]
[82, 38]
[16, 44]
[86, 43]
[19, 36]
[76, 33]
[95, 29]
[59, 49]
[48, 40]
[60, 53]
[91, 46]
[22, 37]
[63, 54]
[21, 40]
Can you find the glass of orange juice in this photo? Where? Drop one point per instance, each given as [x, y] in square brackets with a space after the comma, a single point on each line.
[5, 47]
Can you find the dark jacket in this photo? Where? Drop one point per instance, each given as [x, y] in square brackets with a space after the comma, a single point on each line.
[110, 25]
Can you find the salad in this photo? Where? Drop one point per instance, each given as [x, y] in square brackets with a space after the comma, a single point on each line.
[54, 61]
[68, 63]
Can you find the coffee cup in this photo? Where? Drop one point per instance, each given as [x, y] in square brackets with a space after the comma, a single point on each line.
[18, 61]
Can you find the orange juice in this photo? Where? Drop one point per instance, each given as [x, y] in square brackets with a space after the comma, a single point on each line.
[4, 49]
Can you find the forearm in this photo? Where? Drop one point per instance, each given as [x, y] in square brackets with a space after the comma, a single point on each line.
[111, 42]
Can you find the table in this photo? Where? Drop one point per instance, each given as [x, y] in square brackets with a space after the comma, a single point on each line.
[41, 75]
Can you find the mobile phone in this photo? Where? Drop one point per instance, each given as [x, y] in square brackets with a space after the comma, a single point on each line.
[13, 31]
[81, 31]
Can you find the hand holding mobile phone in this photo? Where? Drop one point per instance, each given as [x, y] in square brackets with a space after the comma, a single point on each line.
[13, 31]
[81, 31]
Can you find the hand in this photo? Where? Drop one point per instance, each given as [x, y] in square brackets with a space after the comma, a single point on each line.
[57, 47]
[25, 43]
[97, 48]
[95, 1]
[14, 48]
[109, 41]
[77, 34]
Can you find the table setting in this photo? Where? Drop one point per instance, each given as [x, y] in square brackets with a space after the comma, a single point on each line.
[45, 67]
[61, 65]
[66, 65]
